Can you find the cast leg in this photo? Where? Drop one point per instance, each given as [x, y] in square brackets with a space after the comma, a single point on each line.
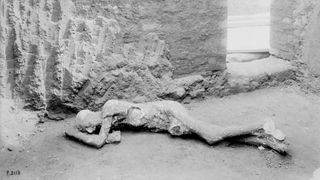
[265, 140]
[256, 134]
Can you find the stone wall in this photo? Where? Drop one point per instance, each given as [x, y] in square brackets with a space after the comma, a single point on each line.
[289, 22]
[84, 52]
[310, 51]
[295, 31]
[194, 30]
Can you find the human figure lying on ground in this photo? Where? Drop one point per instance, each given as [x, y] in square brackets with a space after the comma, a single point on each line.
[98, 128]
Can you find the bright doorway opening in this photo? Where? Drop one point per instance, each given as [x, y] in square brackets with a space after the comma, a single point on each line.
[248, 26]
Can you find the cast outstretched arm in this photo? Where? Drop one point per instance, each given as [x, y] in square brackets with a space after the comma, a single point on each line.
[92, 139]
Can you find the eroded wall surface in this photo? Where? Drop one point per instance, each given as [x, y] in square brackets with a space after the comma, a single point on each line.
[85, 52]
[295, 31]
[289, 22]
[311, 48]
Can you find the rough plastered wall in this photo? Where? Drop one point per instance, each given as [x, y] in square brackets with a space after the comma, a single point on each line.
[311, 49]
[194, 30]
[84, 52]
[289, 22]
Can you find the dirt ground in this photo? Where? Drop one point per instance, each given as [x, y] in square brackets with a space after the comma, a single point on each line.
[159, 156]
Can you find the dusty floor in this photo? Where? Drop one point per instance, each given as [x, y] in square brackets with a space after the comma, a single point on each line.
[159, 156]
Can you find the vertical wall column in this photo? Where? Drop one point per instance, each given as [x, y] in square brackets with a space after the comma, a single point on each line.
[311, 49]
[3, 13]
[289, 21]
[295, 31]
[283, 38]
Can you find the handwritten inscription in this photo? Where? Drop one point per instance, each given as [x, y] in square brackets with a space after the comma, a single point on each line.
[12, 173]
